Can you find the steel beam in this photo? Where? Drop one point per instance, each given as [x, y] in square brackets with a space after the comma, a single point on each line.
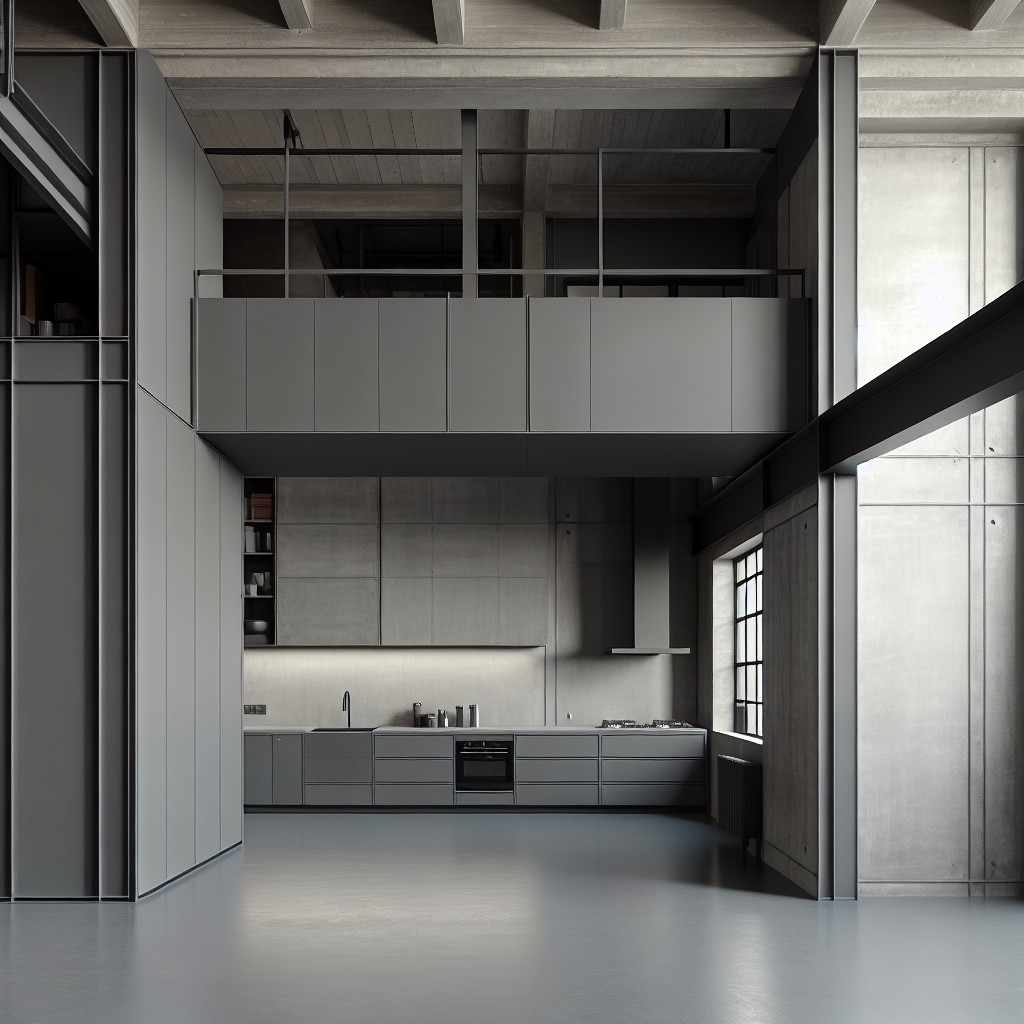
[613, 14]
[450, 22]
[298, 14]
[839, 21]
[988, 15]
[117, 21]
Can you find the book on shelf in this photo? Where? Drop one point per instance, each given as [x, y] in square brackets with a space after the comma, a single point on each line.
[250, 539]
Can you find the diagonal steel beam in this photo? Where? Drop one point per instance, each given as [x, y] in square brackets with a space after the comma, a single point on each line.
[298, 14]
[839, 21]
[117, 21]
[613, 13]
[450, 21]
[987, 15]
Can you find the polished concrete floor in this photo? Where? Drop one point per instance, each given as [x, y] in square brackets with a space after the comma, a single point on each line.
[504, 919]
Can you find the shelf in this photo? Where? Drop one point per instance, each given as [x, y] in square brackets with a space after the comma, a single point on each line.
[262, 554]
[258, 522]
[258, 597]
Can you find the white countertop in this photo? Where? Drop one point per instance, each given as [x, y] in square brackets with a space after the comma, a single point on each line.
[483, 730]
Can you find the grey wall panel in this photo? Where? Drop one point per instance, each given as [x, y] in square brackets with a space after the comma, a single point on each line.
[181, 665]
[523, 549]
[769, 369]
[151, 610]
[525, 499]
[466, 611]
[259, 770]
[559, 364]
[114, 193]
[55, 360]
[465, 549]
[151, 226]
[207, 650]
[181, 258]
[230, 655]
[463, 499]
[114, 643]
[406, 549]
[5, 650]
[406, 499]
[325, 611]
[221, 364]
[346, 364]
[487, 365]
[406, 611]
[312, 499]
[54, 698]
[523, 611]
[660, 364]
[413, 372]
[279, 364]
[209, 225]
[326, 549]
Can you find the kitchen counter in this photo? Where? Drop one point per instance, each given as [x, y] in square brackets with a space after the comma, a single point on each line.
[456, 730]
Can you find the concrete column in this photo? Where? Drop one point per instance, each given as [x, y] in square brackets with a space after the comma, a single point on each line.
[470, 230]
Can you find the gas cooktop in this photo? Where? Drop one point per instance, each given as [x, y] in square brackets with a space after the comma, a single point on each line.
[658, 723]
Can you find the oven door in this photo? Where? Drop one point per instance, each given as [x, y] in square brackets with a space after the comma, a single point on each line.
[483, 767]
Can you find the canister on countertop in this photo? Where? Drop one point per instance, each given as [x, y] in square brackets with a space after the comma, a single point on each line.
[474, 716]
[460, 716]
[429, 721]
[442, 718]
[417, 714]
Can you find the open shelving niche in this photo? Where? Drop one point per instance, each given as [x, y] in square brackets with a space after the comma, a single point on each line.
[259, 565]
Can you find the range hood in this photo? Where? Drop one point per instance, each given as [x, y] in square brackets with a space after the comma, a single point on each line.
[652, 541]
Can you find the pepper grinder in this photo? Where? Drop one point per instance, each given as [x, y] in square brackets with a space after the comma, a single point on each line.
[474, 716]
[460, 716]
[417, 712]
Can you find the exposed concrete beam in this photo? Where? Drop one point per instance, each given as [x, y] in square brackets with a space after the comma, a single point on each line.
[460, 78]
[613, 13]
[987, 15]
[450, 22]
[117, 21]
[841, 20]
[298, 14]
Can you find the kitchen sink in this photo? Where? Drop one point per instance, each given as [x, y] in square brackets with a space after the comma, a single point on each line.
[344, 728]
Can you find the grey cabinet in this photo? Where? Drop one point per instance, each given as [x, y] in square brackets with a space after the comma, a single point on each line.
[279, 364]
[259, 770]
[556, 795]
[547, 745]
[418, 769]
[487, 365]
[556, 769]
[413, 770]
[221, 357]
[413, 377]
[653, 744]
[407, 745]
[345, 333]
[337, 769]
[654, 769]
[560, 364]
[287, 769]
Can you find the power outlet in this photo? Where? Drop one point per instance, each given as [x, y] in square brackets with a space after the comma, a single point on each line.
[254, 709]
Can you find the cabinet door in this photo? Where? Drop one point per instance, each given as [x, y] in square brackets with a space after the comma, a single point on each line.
[279, 364]
[259, 773]
[221, 355]
[346, 364]
[560, 364]
[287, 769]
[413, 370]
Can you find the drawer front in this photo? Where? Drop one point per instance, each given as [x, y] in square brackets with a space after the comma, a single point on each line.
[557, 746]
[337, 769]
[531, 794]
[559, 769]
[414, 746]
[653, 745]
[337, 796]
[415, 770]
[413, 796]
[484, 799]
[652, 794]
[626, 769]
[337, 744]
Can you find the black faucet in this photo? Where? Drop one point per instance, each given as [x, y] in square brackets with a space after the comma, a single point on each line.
[346, 705]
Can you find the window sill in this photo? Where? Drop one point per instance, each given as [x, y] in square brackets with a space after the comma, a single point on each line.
[757, 740]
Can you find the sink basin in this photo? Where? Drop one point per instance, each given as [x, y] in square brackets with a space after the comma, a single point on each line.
[343, 728]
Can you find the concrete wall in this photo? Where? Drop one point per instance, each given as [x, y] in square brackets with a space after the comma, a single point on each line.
[941, 668]
[571, 557]
[789, 747]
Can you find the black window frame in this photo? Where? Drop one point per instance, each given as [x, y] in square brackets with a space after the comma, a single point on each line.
[748, 624]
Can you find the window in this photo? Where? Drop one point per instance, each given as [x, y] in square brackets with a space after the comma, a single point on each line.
[749, 664]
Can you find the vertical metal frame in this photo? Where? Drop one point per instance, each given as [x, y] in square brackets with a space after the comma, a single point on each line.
[600, 223]
[748, 662]
[470, 205]
[7, 42]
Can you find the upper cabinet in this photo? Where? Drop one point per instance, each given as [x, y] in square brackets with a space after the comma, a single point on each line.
[508, 366]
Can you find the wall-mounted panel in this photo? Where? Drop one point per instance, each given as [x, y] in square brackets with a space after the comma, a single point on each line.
[181, 664]
[487, 365]
[559, 364]
[413, 359]
[230, 656]
[5, 491]
[661, 365]
[207, 648]
[279, 364]
[181, 258]
[316, 499]
[325, 611]
[326, 549]
[221, 357]
[209, 226]
[406, 611]
[54, 684]
[151, 226]
[466, 611]
[466, 499]
[346, 364]
[769, 365]
[406, 549]
[465, 549]
[523, 611]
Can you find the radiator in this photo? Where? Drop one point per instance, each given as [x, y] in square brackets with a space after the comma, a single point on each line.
[739, 800]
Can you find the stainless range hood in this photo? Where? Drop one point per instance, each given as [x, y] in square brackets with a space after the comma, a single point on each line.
[652, 542]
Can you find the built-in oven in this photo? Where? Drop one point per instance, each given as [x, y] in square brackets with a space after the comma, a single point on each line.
[484, 766]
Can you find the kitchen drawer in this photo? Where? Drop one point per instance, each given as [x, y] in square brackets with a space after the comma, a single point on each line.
[337, 744]
[569, 794]
[652, 794]
[574, 745]
[558, 769]
[319, 770]
[653, 745]
[337, 796]
[413, 746]
[413, 796]
[484, 799]
[626, 769]
[415, 770]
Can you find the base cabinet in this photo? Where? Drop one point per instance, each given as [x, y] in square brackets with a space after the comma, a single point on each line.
[273, 770]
